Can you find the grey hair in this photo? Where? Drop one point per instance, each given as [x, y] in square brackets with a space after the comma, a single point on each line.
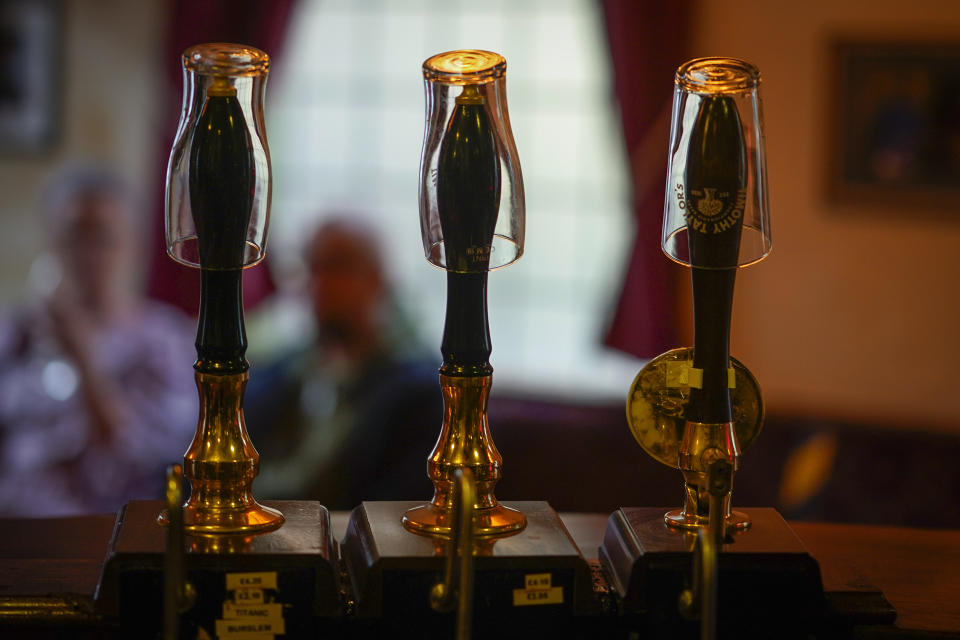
[77, 179]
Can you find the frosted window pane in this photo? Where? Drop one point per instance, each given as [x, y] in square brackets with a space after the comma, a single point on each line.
[345, 122]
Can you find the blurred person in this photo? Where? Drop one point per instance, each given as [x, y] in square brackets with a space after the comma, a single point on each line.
[96, 391]
[353, 414]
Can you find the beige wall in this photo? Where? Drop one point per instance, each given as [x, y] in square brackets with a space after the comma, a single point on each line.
[855, 312]
[109, 81]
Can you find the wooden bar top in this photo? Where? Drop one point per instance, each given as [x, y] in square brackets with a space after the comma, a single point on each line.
[918, 570]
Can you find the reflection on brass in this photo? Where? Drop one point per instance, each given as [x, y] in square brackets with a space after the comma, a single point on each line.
[66, 610]
[659, 395]
[456, 587]
[221, 464]
[219, 544]
[482, 547]
[60, 610]
[464, 443]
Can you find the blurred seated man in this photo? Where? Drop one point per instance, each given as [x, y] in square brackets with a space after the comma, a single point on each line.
[352, 415]
[96, 390]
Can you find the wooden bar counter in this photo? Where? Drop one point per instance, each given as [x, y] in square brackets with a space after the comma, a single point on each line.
[55, 564]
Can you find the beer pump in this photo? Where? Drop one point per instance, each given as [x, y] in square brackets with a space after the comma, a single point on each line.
[698, 409]
[251, 568]
[527, 569]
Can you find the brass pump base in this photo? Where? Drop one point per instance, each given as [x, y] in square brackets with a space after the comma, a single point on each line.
[707, 446]
[734, 522]
[464, 442]
[221, 464]
[247, 520]
[432, 520]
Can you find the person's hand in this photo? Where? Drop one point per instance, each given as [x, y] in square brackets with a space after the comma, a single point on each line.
[73, 328]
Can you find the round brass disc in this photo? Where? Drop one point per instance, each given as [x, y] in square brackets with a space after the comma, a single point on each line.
[659, 396]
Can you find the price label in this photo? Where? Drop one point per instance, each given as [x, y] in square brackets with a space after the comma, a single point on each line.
[537, 581]
[524, 597]
[537, 589]
[272, 611]
[248, 596]
[248, 615]
[263, 580]
[248, 629]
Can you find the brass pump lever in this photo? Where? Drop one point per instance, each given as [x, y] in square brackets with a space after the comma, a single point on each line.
[456, 588]
[179, 595]
[700, 601]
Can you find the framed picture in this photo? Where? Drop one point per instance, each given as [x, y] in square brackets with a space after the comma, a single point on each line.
[895, 122]
[29, 75]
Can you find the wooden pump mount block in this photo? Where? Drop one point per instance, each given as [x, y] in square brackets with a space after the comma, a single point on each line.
[534, 581]
[286, 579]
[768, 582]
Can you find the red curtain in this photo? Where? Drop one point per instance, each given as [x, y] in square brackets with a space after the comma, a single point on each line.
[648, 41]
[253, 22]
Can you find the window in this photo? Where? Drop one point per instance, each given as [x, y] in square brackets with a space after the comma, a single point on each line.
[345, 123]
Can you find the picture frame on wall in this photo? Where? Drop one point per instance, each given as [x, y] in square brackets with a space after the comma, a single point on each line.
[894, 111]
[30, 68]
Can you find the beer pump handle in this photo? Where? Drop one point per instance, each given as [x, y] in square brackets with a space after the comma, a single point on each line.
[456, 587]
[179, 594]
[700, 601]
[716, 181]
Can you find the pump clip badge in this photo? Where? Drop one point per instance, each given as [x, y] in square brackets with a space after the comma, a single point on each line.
[713, 210]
